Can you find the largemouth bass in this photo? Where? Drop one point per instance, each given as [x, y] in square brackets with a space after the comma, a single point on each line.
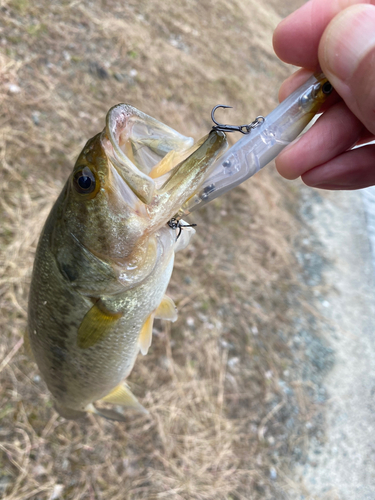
[105, 258]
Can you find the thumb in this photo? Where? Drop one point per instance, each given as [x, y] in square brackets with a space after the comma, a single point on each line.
[347, 57]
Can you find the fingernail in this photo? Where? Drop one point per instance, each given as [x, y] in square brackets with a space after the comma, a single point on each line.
[348, 39]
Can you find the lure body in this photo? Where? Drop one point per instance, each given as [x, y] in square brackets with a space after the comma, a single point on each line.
[264, 142]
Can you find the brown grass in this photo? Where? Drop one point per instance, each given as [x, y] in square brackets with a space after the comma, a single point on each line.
[218, 425]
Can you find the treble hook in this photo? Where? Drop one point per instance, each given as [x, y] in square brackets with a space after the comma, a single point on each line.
[244, 129]
[176, 224]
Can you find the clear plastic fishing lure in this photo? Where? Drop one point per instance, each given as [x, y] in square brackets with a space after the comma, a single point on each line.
[264, 139]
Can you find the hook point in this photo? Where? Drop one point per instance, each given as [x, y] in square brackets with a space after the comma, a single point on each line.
[213, 112]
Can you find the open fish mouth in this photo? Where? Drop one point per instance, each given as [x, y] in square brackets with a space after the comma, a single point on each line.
[151, 158]
[135, 143]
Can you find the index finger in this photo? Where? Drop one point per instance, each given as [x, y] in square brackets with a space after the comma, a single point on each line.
[296, 38]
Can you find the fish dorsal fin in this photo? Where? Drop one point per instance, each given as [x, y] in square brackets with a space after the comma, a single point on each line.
[166, 310]
[27, 345]
[122, 395]
[145, 337]
[96, 325]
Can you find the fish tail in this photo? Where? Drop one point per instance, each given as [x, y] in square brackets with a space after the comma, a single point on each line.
[107, 414]
[71, 414]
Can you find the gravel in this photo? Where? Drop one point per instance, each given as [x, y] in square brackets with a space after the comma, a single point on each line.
[340, 460]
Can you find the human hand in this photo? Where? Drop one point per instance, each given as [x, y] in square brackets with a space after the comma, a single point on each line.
[338, 36]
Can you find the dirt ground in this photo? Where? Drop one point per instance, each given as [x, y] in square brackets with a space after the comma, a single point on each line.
[234, 387]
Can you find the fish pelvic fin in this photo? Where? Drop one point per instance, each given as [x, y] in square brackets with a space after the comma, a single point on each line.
[145, 337]
[96, 325]
[166, 310]
[121, 395]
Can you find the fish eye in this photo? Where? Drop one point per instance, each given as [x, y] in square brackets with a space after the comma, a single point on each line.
[84, 181]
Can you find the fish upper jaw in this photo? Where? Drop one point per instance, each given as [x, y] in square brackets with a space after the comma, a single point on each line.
[135, 142]
[140, 183]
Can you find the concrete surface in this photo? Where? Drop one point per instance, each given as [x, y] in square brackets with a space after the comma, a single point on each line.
[343, 467]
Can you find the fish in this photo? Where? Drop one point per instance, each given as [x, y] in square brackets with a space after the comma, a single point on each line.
[105, 257]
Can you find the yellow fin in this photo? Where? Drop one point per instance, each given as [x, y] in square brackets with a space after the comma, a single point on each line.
[145, 337]
[122, 395]
[27, 345]
[96, 325]
[166, 310]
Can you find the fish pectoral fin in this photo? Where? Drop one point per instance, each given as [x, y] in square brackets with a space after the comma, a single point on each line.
[96, 325]
[27, 345]
[167, 309]
[145, 337]
[122, 395]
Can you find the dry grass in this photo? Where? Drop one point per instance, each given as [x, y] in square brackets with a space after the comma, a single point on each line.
[220, 421]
